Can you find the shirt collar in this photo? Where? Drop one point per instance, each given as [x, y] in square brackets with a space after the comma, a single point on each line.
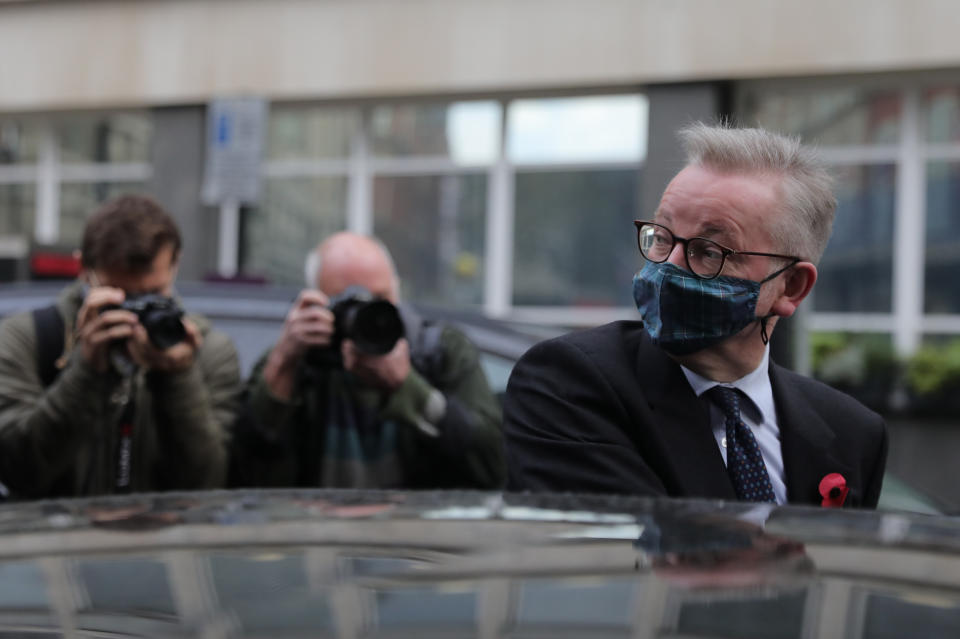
[755, 385]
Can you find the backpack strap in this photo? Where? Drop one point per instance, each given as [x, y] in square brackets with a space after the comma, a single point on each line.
[49, 327]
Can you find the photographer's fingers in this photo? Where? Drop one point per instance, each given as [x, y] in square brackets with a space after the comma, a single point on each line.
[102, 334]
[310, 297]
[312, 326]
[178, 357]
[96, 300]
[98, 330]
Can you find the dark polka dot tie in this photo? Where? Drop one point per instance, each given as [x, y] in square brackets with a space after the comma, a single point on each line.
[744, 460]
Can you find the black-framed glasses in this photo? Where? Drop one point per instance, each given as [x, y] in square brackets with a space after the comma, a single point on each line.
[705, 258]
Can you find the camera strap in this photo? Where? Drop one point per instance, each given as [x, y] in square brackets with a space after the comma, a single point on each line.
[124, 448]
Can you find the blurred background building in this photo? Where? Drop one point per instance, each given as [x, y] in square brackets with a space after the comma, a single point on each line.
[501, 148]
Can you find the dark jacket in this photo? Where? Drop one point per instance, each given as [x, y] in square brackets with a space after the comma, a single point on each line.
[61, 440]
[282, 443]
[606, 411]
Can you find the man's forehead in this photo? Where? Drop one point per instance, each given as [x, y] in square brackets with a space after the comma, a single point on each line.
[373, 275]
[716, 202]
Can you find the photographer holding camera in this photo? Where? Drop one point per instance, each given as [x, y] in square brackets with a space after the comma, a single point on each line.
[112, 390]
[360, 392]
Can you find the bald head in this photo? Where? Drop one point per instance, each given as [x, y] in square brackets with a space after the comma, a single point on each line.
[348, 259]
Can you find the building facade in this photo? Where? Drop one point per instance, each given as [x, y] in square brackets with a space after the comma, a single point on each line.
[501, 148]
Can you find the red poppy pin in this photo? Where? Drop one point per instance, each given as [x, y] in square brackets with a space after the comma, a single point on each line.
[833, 489]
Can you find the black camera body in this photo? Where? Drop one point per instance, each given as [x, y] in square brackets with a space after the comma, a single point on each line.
[372, 323]
[160, 315]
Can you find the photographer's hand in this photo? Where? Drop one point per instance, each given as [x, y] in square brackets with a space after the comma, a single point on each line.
[97, 330]
[309, 323]
[178, 357]
[386, 372]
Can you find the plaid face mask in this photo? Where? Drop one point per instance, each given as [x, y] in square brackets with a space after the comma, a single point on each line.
[684, 314]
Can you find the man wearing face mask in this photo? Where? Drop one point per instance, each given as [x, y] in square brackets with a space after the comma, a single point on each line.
[111, 390]
[686, 402]
[404, 405]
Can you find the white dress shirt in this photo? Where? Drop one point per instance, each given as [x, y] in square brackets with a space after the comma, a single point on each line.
[759, 414]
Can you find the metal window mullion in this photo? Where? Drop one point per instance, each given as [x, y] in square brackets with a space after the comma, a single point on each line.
[18, 174]
[864, 322]
[128, 172]
[422, 166]
[569, 167]
[909, 230]
[941, 323]
[306, 168]
[946, 152]
[498, 247]
[64, 594]
[860, 154]
[47, 219]
[360, 193]
[228, 244]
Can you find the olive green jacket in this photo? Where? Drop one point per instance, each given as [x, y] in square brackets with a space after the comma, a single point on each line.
[62, 440]
[283, 442]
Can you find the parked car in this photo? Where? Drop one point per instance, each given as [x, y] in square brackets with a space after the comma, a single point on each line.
[252, 315]
[345, 564]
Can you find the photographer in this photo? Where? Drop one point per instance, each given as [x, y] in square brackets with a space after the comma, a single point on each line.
[350, 396]
[110, 390]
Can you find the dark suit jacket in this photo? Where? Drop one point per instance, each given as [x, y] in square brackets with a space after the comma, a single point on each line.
[605, 411]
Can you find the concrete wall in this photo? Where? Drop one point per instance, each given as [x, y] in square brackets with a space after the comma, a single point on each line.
[58, 54]
[176, 159]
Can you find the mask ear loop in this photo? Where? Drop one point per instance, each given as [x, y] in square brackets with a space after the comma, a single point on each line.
[764, 336]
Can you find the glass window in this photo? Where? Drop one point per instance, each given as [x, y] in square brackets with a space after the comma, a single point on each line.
[426, 608]
[127, 585]
[917, 616]
[17, 206]
[779, 616]
[122, 137]
[293, 216]
[22, 586]
[564, 604]
[941, 114]
[79, 200]
[830, 117]
[856, 271]
[465, 132]
[941, 282]
[18, 142]
[269, 594]
[297, 132]
[601, 128]
[574, 240]
[434, 226]
[864, 365]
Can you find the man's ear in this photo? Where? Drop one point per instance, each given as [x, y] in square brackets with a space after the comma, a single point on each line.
[87, 276]
[798, 282]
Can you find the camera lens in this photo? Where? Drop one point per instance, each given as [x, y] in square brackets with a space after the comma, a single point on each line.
[374, 326]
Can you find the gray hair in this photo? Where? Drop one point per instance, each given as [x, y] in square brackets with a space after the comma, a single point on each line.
[803, 227]
[314, 262]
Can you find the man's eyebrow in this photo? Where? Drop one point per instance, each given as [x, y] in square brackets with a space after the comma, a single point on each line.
[712, 229]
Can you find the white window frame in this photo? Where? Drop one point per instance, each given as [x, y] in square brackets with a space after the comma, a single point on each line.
[361, 167]
[906, 323]
[48, 173]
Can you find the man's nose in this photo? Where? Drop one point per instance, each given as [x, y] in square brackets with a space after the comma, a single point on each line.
[676, 256]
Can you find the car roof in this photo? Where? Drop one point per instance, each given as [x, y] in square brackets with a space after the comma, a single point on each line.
[389, 563]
